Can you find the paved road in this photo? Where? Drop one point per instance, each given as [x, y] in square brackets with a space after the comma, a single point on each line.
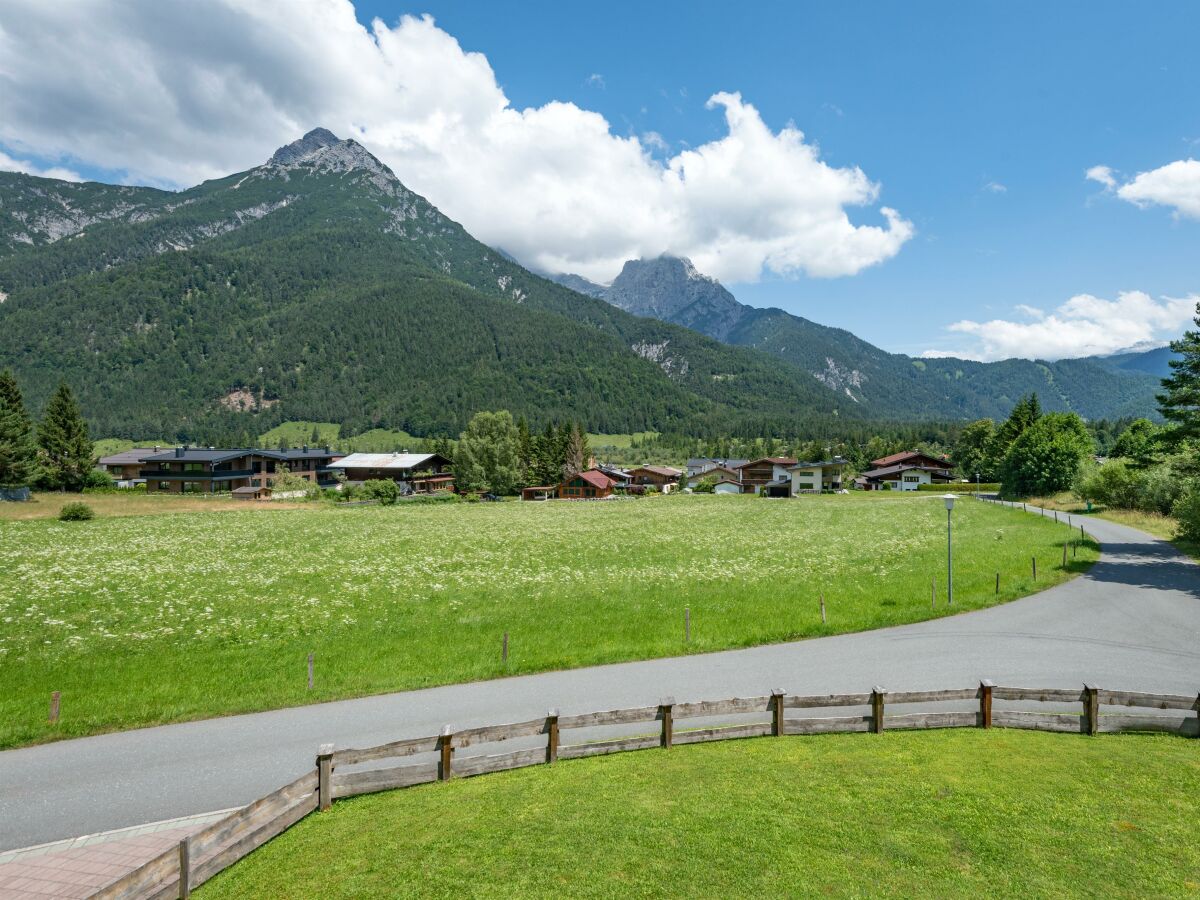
[1132, 622]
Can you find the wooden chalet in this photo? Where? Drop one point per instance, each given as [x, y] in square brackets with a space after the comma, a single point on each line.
[590, 484]
[905, 471]
[768, 475]
[658, 476]
[418, 473]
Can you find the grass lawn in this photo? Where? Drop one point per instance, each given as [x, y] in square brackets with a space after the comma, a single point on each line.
[146, 619]
[127, 503]
[903, 814]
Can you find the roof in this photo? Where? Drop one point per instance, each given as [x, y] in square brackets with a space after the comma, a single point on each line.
[129, 457]
[697, 461]
[249, 490]
[821, 465]
[904, 454]
[396, 461]
[218, 454]
[594, 478]
[773, 460]
[709, 472]
[658, 470]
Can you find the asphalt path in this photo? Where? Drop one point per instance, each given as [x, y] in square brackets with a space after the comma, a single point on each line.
[1132, 622]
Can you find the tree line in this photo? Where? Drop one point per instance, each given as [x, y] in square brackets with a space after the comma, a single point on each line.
[56, 454]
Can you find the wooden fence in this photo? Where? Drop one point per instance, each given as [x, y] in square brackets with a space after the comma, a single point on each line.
[222, 843]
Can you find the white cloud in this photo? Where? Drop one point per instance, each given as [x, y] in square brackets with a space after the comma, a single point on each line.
[9, 164]
[595, 80]
[1083, 326]
[1102, 174]
[173, 93]
[995, 187]
[1176, 184]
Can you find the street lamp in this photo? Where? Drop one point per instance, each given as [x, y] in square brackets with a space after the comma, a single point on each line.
[949, 501]
[976, 484]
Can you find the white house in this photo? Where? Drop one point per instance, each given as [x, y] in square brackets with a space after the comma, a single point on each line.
[814, 477]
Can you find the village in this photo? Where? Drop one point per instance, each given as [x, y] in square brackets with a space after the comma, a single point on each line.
[250, 474]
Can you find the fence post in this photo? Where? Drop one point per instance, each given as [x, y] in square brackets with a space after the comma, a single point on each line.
[1034, 558]
[1064, 563]
[687, 624]
[822, 607]
[185, 870]
[933, 593]
[1091, 708]
[1056, 517]
[310, 671]
[324, 776]
[552, 736]
[997, 582]
[664, 712]
[54, 699]
[985, 703]
[777, 712]
[504, 650]
[446, 754]
[877, 709]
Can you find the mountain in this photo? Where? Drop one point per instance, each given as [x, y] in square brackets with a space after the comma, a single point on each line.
[885, 385]
[317, 286]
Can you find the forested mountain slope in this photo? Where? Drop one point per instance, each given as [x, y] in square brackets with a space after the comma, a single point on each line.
[884, 385]
[316, 286]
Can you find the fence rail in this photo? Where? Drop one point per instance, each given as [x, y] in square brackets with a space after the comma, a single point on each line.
[218, 845]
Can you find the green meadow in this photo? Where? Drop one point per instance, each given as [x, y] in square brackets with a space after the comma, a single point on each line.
[161, 617]
[963, 813]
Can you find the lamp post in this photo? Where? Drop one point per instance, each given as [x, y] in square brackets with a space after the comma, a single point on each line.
[976, 484]
[949, 501]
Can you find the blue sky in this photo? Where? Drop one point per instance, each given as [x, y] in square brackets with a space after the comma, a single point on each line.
[977, 122]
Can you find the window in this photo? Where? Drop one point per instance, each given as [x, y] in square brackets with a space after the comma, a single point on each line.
[193, 467]
[912, 477]
[193, 487]
[164, 485]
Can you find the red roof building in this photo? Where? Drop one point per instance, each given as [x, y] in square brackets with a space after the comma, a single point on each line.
[587, 485]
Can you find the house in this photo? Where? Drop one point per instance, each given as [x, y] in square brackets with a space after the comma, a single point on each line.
[905, 472]
[544, 492]
[206, 470]
[701, 464]
[591, 484]
[418, 473]
[662, 477]
[768, 475]
[814, 477]
[126, 466]
[717, 473]
[619, 475]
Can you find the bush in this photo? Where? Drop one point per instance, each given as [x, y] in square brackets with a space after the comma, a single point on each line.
[1187, 511]
[961, 487]
[76, 512]
[385, 491]
[99, 482]
[1113, 484]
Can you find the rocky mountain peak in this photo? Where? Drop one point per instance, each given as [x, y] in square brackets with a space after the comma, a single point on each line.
[671, 288]
[323, 150]
[312, 142]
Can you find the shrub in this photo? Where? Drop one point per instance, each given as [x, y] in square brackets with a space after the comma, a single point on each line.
[1187, 511]
[705, 486]
[76, 512]
[1114, 484]
[385, 491]
[1161, 487]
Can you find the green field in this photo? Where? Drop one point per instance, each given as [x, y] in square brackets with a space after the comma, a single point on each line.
[157, 618]
[959, 813]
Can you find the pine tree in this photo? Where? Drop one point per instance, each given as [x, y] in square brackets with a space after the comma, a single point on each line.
[66, 449]
[1180, 404]
[18, 450]
[525, 443]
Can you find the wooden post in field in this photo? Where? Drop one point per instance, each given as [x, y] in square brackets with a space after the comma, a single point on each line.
[1074, 549]
[933, 593]
[504, 649]
[664, 713]
[310, 671]
[445, 754]
[324, 776]
[877, 709]
[997, 582]
[1091, 708]
[1034, 558]
[687, 624]
[985, 703]
[54, 700]
[777, 712]
[1056, 517]
[185, 870]
[822, 607]
[1064, 563]
[1081, 534]
[552, 736]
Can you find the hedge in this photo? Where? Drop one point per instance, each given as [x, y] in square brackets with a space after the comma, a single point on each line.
[961, 487]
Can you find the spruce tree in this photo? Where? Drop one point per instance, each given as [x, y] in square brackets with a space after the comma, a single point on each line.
[66, 449]
[18, 450]
[1180, 404]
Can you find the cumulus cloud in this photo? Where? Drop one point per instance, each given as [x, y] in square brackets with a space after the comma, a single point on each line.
[1083, 326]
[9, 164]
[173, 93]
[1176, 185]
[1103, 175]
